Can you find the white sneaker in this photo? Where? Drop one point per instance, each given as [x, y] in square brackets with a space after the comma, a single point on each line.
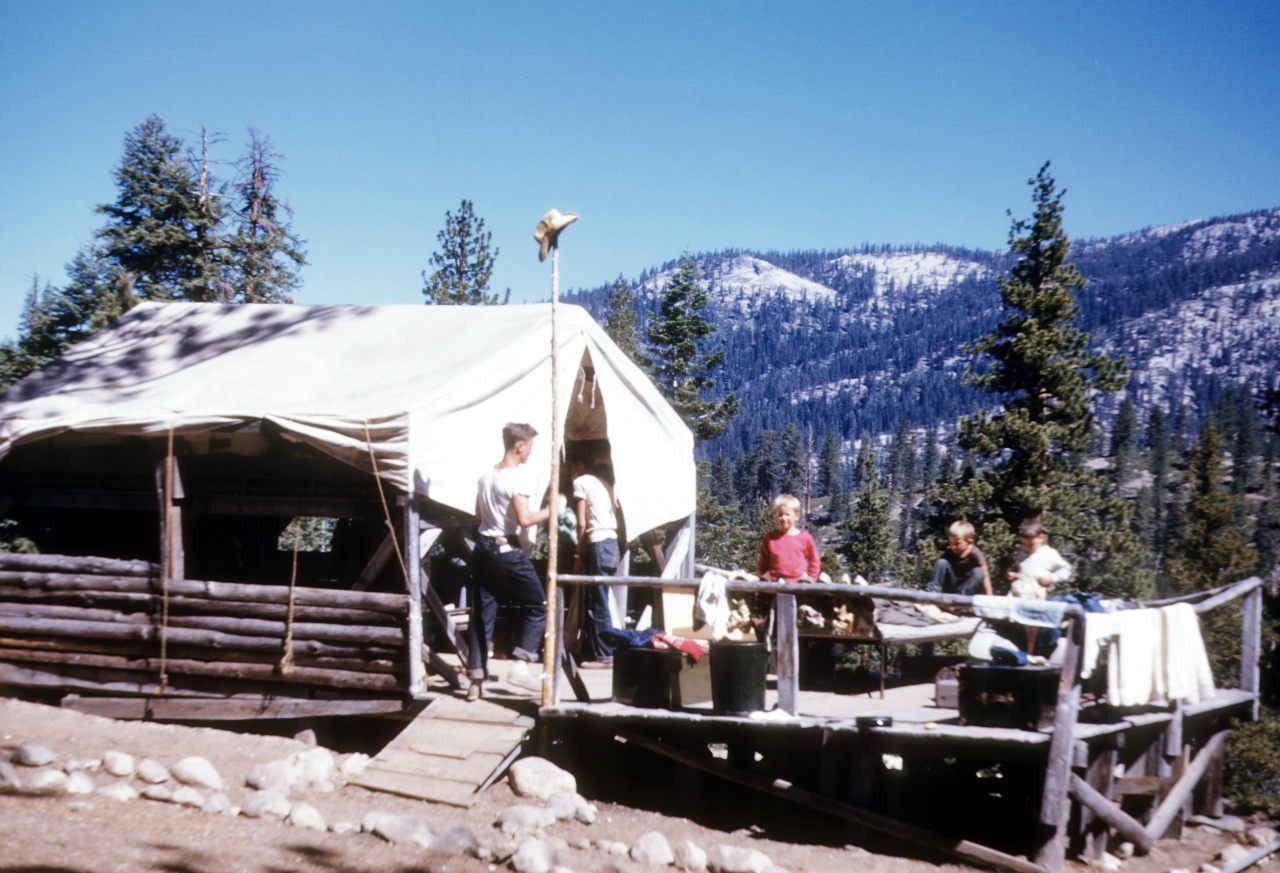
[521, 674]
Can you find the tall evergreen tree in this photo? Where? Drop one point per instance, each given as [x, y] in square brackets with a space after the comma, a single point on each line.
[1212, 550]
[265, 254]
[1032, 453]
[161, 231]
[870, 548]
[464, 263]
[680, 367]
[794, 464]
[620, 318]
[1124, 441]
[829, 465]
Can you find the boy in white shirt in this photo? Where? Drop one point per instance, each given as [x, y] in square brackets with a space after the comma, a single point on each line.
[597, 553]
[500, 569]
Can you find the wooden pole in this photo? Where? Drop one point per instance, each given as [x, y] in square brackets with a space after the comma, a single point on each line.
[1055, 801]
[787, 652]
[549, 645]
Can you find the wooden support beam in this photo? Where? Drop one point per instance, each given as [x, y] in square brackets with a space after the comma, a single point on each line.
[1123, 823]
[413, 572]
[377, 561]
[1181, 790]
[966, 850]
[787, 653]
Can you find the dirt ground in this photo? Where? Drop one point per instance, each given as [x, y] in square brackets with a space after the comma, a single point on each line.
[96, 834]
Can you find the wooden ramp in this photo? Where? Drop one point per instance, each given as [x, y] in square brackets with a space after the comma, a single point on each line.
[449, 753]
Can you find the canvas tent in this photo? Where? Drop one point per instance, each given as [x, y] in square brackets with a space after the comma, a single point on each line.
[429, 386]
[208, 427]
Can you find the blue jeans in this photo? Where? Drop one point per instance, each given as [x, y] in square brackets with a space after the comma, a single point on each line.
[601, 559]
[506, 577]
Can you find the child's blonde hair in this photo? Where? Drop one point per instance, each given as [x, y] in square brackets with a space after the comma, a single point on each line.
[792, 503]
[962, 529]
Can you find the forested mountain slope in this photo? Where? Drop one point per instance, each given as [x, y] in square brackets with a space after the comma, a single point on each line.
[855, 341]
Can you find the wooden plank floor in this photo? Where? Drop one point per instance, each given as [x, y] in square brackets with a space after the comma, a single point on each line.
[448, 751]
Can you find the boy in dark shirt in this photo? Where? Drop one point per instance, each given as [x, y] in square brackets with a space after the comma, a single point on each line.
[963, 568]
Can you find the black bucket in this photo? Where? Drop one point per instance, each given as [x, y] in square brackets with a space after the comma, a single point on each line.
[738, 671]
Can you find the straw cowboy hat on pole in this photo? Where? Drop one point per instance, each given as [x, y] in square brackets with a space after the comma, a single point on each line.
[548, 231]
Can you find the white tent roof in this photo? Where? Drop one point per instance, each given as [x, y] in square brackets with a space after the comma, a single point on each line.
[429, 387]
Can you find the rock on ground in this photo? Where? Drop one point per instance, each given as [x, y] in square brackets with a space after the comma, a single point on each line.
[539, 778]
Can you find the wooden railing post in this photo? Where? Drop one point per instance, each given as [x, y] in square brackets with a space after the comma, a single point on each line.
[787, 654]
[1055, 801]
[1251, 644]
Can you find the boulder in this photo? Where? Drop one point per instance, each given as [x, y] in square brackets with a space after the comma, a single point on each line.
[456, 841]
[79, 782]
[533, 856]
[119, 791]
[735, 859]
[152, 771]
[539, 778]
[690, 857]
[198, 772]
[188, 795]
[266, 804]
[401, 829]
[118, 764]
[33, 755]
[653, 849]
[520, 819]
[47, 782]
[304, 815]
[10, 782]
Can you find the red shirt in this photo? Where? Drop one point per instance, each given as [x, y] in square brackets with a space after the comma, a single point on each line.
[788, 556]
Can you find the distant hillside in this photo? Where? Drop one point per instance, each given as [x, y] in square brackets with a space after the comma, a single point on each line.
[854, 341]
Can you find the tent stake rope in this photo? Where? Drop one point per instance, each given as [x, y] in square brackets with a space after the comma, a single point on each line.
[386, 512]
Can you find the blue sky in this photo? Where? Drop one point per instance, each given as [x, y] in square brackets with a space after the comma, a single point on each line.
[670, 126]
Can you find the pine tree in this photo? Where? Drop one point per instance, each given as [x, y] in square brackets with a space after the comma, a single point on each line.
[620, 318]
[1031, 454]
[1124, 442]
[464, 264]
[829, 465]
[794, 466]
[1212, 550]
[265, 254]
[870, 547]
[160, 230]
[677, 363]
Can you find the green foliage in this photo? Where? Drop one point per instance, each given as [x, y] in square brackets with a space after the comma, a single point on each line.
[1212, 552]
[265, 256]
[1030, 456]
[163, 228]
[829, 474]
[870, 549]
[1124, 442]
[1252, 765]
[681, 370]
[620, 318]
[464, 263]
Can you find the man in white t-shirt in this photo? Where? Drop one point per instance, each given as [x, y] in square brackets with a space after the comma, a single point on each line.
[597, 554]
[501, 572]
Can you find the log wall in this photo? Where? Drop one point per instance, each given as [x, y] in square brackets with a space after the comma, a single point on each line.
[101, 626]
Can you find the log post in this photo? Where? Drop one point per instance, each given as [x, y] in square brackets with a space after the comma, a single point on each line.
[787, 653]
[1055, 801]
[1250, 644]
[413, 570]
